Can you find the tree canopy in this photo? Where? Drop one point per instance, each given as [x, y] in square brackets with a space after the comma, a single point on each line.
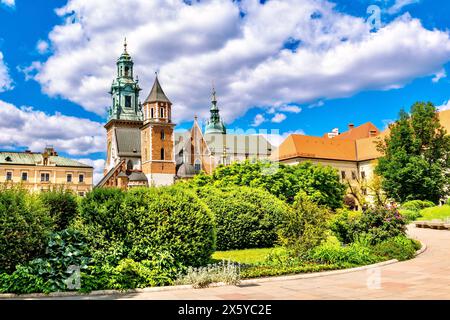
[416, 159]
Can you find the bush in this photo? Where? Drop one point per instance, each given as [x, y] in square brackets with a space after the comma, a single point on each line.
[225, 272]
[381, 223]
[25, 225]
[400, 248]
[335, 253]
[65, 252]
[345, 224]
[62, 205]
[410, 215]
[245, 217]
[417, 205]
[143, 222]
[305, 226]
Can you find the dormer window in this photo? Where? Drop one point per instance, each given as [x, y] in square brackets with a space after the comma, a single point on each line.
[8, 159]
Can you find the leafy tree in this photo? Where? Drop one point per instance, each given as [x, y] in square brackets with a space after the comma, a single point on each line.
[416, 159]
[319, 182]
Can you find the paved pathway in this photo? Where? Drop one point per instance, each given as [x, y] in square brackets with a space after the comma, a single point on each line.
[424, 277]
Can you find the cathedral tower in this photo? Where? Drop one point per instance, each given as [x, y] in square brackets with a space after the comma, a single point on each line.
[124, 117]
[157, 138]
[214, 125]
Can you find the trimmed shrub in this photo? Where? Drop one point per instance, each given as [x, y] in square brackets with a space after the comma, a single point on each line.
[25, 225]
[245, 217]
[400, 248]
[410, 215]
[62, 205]
[344, 225]
[417, 205]
[305, 226]
[144, 222]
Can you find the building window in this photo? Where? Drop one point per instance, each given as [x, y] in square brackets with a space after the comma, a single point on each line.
[353, 175]
[9, 176]
[127, 71]
[197, 166]
[162, 135]
[363, 175]
[45, 177]
[162, 153]
[343, 175]
[81, 193]
[127, 101]
[161, 112]
[24, 176]
[81, 178]
[151, 112]
[69, 178]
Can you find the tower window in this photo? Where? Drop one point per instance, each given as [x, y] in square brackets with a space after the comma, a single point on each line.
[161, 112]
[151, 113]
[127, 71]
[128, 101]
[163, 135]
[162, 153]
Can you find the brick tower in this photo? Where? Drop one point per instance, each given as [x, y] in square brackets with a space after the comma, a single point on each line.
[157, 138]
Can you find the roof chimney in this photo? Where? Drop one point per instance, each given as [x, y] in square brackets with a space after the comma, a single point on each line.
[351, 126]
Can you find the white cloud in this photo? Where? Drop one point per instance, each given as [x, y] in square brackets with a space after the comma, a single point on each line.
[191, 45]
[5, 80]
[278, 117]
[277, 139]
[31, 70]
[444, 106]
[26, 127]
[288, 108]
[9, 3]
[439, 75]
[259, 118]
[42, 46]
[400, 4]
[98, 164]
[316, 104]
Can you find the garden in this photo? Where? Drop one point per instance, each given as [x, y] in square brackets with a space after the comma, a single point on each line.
[241, 222]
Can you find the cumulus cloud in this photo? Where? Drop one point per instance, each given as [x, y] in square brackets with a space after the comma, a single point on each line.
[5, 80]
[9, 3]
[258, 120]
[26, 127]
[444, 106]
[42, 46]
[278, 118]
[98, 164]
[439, 75]
[233, 44]
[400, 4]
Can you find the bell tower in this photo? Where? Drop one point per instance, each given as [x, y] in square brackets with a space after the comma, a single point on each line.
[124, 115]
[157, 138]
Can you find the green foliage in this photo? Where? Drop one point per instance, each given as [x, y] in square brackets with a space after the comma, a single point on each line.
[144, 221]
[62, 205]
[245, 217]
[410, 215]
[305, 226]
[417, 205]
[381, 224]
[202, 277]
[247, 256]
[52, 272]
[335, 253]
[25, 225]
[271, 271]
[400, 248]
[345, 224]
[416, 159]
[319, 182]
[442, 213]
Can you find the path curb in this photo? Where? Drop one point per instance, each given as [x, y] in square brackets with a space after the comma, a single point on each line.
[219, 284]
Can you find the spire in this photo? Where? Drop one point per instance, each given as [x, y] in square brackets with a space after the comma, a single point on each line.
[125, 45]
[157, 94]
[215, 124]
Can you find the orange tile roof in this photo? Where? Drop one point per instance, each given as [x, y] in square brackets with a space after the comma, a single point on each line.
[345, 147]
[360, 132]
[297, 145]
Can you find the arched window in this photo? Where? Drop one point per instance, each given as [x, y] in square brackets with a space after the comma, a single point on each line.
[163, 135]
[161, 112]
[162, 153]
[127, 70]
[151, 112]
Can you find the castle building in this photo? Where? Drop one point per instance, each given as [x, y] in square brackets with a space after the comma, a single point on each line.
[143, 148]
[44, 171]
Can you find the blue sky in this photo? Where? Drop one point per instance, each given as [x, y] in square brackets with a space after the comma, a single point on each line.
[303, 66]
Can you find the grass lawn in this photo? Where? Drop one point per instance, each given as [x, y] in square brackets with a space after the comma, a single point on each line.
[247, 256]
[435, 213]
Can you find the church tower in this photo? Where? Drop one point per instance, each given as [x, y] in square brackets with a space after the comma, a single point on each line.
[157, 138]
[124, 117]
[214, 125]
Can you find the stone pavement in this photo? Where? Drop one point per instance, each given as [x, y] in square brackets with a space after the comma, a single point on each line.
[424, 277]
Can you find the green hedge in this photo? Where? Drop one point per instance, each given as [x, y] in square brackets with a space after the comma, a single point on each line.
[62, 205]
[25, 225]
[417, 205]
[245, 217]
[143, 222]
